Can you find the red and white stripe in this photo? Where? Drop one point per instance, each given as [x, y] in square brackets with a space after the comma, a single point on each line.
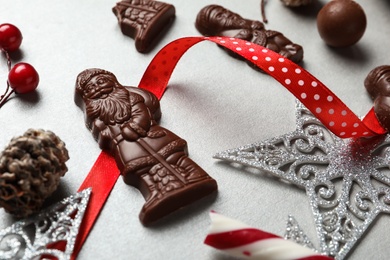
[238, 239]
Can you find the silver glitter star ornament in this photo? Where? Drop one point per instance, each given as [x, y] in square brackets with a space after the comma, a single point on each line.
[345, 180]
[32, 238]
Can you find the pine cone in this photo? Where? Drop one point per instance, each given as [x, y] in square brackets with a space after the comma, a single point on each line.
[295, 3]
[30, 170]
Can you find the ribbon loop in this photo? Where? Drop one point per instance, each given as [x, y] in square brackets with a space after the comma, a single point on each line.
[320, 100]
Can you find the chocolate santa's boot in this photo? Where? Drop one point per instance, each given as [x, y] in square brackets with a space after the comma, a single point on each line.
[165, 192]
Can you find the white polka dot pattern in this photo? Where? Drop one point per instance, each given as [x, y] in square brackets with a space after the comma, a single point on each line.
[325, 105]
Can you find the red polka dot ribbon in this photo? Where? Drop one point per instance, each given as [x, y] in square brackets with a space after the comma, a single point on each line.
[321, 101]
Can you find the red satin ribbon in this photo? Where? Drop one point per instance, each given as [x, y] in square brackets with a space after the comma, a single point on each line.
[102, 178]
[322, 102]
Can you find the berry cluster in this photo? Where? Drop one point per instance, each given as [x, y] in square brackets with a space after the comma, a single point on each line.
[22, 77]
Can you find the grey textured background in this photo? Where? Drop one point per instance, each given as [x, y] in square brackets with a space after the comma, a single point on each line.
[214, 102]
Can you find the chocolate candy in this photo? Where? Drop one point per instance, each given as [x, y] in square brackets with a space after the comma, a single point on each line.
[151, 158]
[341, 23]
[144, 20]
[377, 84]
[215, 20]
[30, 170]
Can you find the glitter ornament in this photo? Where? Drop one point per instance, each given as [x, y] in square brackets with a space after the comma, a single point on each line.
[58, 224]
[345, 180]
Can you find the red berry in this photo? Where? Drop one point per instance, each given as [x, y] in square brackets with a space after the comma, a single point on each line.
[23, 78]
[10, 37]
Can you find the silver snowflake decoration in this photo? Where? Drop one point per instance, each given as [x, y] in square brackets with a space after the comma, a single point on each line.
[347, 180]
[35, 237]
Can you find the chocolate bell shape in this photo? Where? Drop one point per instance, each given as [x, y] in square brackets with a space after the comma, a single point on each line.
[144, 20]
[377, 84]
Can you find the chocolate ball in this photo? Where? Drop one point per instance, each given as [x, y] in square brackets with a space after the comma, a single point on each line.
[341, 23]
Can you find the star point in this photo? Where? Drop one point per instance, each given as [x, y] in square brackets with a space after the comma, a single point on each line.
[346, 180]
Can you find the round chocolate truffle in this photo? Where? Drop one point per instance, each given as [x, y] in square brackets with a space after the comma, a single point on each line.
[341, 23]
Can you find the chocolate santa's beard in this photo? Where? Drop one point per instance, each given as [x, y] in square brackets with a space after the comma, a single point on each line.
[114, 109]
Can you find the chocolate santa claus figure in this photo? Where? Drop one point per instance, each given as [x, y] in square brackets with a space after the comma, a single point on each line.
[151, 158]
[215, 20]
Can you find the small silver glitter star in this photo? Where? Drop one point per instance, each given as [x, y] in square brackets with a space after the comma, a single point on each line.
[31, 238]
[347, 181]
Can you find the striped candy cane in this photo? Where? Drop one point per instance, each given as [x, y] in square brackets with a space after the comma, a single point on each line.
[240, 240]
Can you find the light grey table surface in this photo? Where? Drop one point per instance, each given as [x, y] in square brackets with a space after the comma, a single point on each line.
[213, 101]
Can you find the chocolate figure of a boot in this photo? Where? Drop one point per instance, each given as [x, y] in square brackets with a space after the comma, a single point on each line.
[151, 158]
